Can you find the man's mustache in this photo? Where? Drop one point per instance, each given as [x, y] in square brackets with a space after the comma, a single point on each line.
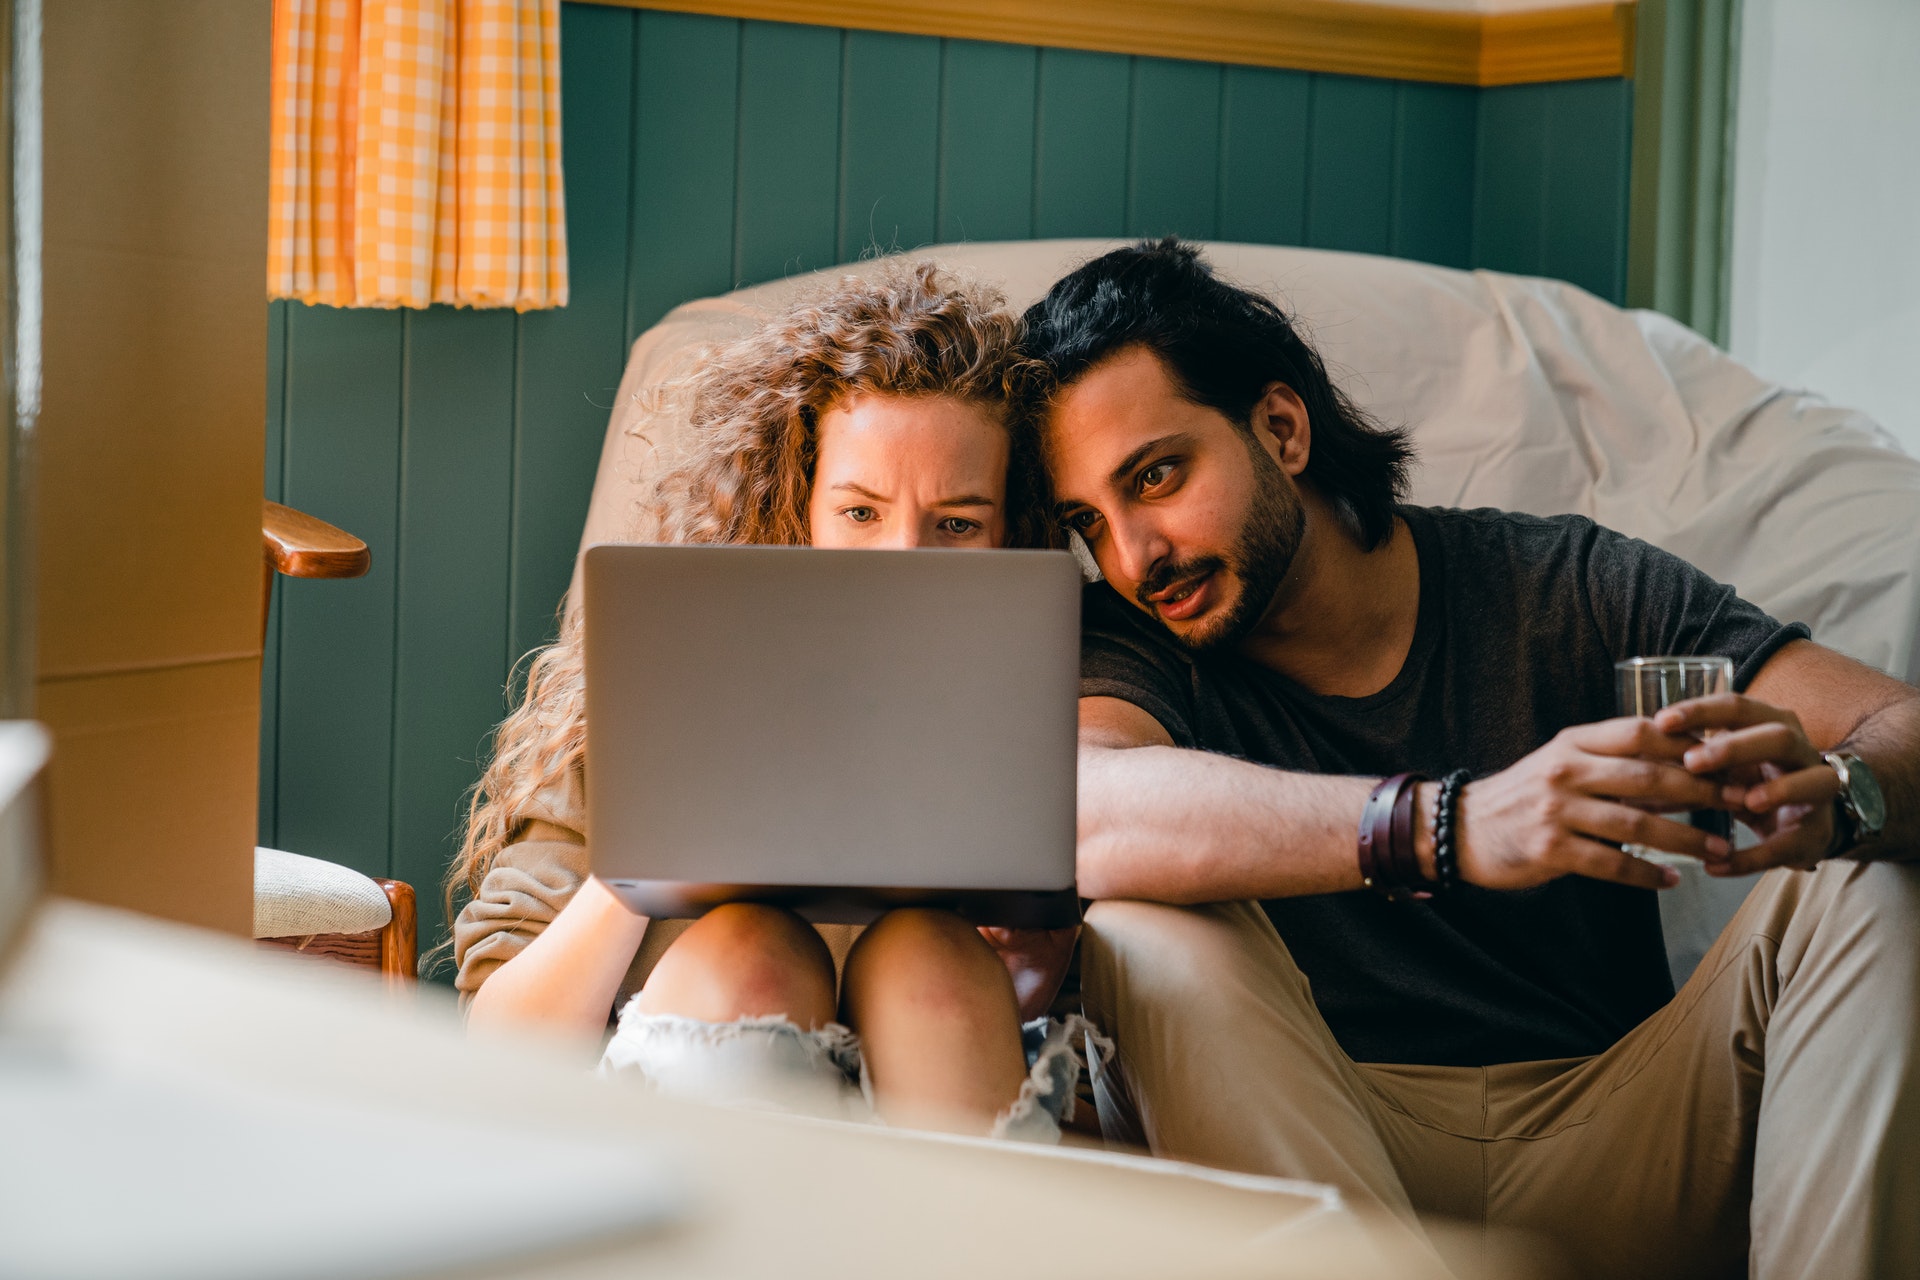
[1166, 574]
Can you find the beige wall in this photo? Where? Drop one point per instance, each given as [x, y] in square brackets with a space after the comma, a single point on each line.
[151, 442]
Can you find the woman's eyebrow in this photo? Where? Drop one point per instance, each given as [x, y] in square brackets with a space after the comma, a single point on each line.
[858, 490]
[970, 500]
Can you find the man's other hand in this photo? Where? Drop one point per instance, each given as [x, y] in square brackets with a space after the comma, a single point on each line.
[1567, 808]
[1770, 775]
[1037, 960]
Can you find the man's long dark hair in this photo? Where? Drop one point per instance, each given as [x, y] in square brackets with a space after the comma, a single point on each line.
[1224, 346]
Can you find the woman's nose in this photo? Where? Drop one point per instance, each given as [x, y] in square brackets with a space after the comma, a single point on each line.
[905, 535]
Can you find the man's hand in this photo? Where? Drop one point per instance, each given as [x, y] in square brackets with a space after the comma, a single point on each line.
[1771, 776]
[1037, 961]
[1568, 807]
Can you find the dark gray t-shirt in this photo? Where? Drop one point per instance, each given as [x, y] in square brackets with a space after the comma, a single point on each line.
[1520, 622]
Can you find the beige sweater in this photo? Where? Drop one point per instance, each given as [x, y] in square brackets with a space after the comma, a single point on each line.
[536, 876]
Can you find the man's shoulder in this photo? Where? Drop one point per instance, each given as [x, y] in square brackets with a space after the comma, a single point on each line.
[1498, 527]
[1492, 546]
[1571, 547]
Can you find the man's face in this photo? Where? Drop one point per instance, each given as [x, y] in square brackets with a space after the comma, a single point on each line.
[1192, 518]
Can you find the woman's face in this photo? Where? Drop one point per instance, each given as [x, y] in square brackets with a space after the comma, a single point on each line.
[909, 471]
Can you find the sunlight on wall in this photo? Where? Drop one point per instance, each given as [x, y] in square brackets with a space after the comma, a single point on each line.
[1826, 262]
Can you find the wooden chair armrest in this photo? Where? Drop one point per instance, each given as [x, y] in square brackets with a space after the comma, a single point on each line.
[301, 546]
[399, 952]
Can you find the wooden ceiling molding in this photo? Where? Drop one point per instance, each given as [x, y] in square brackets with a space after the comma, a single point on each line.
[1444, 45]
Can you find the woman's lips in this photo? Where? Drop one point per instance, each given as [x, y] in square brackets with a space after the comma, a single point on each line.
[1185, 600]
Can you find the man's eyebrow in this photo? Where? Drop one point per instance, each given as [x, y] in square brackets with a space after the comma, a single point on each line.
[1132, 461]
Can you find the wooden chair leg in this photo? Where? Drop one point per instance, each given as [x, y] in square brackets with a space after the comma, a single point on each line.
[399, 957]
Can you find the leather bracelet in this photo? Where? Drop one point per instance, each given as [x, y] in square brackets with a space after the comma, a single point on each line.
[1376, 819]
[1388, 864]
[1406, 863]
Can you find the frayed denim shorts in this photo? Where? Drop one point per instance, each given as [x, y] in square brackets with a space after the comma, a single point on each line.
[772, 1064]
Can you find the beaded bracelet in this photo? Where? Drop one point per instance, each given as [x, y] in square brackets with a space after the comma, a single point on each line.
[1446, 812]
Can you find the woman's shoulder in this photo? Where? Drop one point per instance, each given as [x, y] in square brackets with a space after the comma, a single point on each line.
[527, 883]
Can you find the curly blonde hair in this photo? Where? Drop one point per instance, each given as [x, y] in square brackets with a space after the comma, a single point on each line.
[746, 476]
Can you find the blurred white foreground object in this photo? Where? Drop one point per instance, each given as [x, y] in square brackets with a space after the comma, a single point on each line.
[177, 1104]
[110, 1175]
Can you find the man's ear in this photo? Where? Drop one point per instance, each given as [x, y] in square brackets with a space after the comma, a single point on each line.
[1281, 426]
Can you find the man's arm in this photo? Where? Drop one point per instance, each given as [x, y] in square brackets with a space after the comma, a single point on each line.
[1168, 824]
[1805, 700]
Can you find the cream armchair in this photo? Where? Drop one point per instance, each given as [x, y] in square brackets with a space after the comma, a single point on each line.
[1526, 394]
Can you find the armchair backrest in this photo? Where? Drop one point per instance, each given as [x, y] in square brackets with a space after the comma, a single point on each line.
[1526, 394]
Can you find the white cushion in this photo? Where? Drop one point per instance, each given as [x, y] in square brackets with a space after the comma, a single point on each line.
[296, 896]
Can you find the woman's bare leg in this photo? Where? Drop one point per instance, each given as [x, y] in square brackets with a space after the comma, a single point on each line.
[744, 960]
[936, 1015]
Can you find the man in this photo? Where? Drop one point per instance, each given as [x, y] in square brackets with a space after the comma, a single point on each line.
[1276, 633]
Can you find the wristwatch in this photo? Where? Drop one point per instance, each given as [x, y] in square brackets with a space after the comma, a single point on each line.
[1860, 810]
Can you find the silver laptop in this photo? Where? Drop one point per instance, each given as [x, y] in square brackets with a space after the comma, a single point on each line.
[839, 732]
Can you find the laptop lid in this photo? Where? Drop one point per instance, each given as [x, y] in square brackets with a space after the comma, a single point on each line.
[838, 731]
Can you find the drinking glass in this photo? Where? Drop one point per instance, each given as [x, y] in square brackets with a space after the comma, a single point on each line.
[1643, 686]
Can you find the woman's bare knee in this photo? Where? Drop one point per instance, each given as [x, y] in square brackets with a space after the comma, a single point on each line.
[930, 958]
[744, 960]
[936, 1012]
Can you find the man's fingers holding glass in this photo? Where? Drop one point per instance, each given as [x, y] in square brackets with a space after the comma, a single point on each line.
[1647, 784]
[1719, 711]
[1603, 860]
[1623, 824]
[1815, 785]
[1774, 742]
[1802, 837]
[1637, 736]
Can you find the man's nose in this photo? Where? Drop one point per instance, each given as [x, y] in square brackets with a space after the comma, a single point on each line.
[1138, 546]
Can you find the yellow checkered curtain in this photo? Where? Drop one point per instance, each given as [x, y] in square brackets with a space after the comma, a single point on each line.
[416, 154]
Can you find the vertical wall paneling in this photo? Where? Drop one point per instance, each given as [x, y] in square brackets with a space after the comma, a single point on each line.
[270, 650]
[789, 157]
[1509, 175]
[570, 359]
[986, 141]
[342, 460]
[1263, 155]
[1551, 173]
[1350, 164]
[450, 637]
[703, 153]
[1433, 145]
[1590, 132]
[1080, 161]
[686, 86]
[889, 142]
[1174, 169]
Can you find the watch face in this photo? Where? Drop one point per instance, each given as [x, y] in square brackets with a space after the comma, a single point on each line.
[1863, 791]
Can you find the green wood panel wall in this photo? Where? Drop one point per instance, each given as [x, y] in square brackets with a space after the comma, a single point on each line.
[703, 153]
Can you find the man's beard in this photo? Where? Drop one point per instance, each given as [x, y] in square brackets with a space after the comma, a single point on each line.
[1269, 540]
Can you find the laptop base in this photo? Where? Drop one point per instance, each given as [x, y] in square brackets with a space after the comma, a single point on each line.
[841, 904]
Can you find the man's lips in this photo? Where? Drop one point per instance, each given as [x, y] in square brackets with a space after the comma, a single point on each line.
[1185, 599]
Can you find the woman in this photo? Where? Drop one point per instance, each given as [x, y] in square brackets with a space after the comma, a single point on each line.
[875, 415]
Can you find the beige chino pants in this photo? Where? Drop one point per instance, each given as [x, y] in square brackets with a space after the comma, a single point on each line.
[1766, 1121]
